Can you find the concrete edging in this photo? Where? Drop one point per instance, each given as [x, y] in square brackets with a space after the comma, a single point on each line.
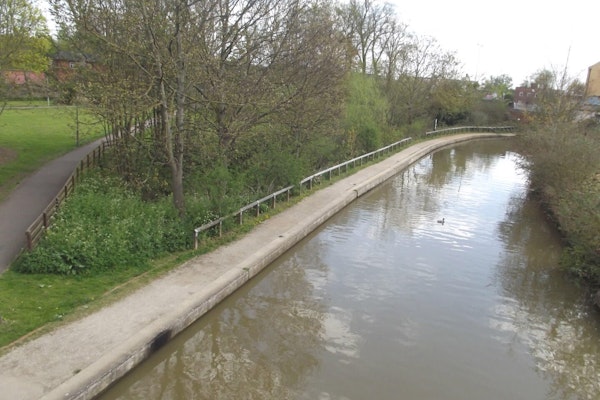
[177, 300]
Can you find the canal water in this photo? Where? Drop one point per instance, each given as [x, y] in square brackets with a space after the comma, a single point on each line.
[385, 302]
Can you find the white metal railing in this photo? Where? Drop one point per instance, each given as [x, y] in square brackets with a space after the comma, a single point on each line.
[308, 180]
[459, 129]
[240, 213]
[329, 171]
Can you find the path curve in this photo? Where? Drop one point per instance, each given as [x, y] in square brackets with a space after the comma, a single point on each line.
[81, 359]
[31, 197]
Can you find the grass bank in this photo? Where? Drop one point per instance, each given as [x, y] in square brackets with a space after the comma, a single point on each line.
[32, 134]
[129, 243]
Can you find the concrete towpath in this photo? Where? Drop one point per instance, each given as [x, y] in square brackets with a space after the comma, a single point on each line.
[81, 359]
[29, 199]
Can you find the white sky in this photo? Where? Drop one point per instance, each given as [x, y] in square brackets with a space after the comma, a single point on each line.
[512, 37]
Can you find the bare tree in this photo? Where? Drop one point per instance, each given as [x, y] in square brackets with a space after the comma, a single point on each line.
[421, 65]
[221, 67]
[369, 26]
[558, 97]
[395, 50]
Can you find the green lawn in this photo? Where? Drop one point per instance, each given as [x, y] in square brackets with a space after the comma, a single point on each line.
[31, 135]
[30, 303]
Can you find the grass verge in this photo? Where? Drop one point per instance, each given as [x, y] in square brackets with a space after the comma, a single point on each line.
[30, 136]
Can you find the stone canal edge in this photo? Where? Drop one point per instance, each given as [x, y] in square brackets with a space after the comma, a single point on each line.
[81, 359]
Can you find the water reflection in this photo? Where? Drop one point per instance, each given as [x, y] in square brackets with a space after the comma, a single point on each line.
[386, 303]
[259, 345]
[559, 326]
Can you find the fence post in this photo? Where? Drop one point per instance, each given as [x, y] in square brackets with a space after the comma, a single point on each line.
[195, 240]
[29, 241]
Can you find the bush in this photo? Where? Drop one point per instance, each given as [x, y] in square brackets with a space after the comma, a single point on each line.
[104, 226]
[563, 164]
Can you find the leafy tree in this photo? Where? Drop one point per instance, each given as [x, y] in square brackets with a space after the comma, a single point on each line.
[452, 100]
[365, 119]
[24, 36]
[500, 85]
[24, 39]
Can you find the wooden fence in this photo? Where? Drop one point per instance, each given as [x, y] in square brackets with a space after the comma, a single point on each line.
[36, 230]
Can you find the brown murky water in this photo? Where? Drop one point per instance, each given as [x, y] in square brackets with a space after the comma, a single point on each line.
[384, 302]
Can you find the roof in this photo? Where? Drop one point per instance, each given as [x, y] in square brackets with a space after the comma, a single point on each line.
[72, 56]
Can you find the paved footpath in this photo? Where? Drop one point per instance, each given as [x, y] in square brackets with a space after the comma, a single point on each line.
[29, 199]
[80, 359]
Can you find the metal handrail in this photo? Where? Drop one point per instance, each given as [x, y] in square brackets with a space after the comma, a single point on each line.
[273, 196]
[472, 129]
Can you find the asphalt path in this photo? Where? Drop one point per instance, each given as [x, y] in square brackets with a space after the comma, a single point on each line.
[29, 199]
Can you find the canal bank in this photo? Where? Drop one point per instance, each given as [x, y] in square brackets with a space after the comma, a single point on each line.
[79, 360]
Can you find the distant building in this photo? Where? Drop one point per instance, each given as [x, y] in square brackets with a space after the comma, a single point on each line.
[592, 85]
[20, 84]
[65, 64]
[525, 98]
[19, 77]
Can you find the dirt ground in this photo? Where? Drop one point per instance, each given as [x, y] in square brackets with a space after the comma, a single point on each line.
[7, 155]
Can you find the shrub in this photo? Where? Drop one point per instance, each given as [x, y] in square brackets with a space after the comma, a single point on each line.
[105, 226]
[564, 164]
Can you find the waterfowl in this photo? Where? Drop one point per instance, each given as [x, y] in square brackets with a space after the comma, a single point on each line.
[441, 221]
